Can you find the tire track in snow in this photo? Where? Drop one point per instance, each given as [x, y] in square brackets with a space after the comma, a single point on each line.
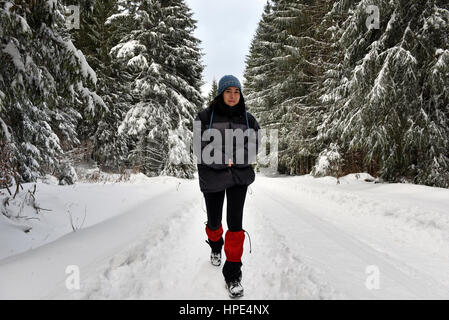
[274, 270]
[347, 253]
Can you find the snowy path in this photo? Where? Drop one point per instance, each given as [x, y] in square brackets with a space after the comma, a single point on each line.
[309, 241]
[341, 256]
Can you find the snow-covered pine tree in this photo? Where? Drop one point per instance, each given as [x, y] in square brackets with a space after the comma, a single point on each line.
[96, 36]
[261, 77]
[46, 86]
[314, 41]
[287, 17]
[302, 63]
[430, 162]
[260, 69]
[386, 97]
[284, 71]
[212, 93]
[165, 58]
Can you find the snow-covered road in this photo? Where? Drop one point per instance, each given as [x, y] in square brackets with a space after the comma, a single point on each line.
[311, 239]
[342, 250]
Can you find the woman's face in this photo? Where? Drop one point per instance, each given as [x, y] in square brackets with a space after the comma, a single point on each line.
[231, 96]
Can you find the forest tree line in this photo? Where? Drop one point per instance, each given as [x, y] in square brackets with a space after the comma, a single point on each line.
[346, 93]
[352, 94]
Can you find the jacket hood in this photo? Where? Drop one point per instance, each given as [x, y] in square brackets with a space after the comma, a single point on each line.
[219, 106]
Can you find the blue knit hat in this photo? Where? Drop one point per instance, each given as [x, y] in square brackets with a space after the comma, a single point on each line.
[228, 81]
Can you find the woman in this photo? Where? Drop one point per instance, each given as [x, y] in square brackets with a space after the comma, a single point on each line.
[227, 173]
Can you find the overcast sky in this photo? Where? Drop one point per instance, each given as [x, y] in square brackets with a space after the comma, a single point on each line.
[225, 28]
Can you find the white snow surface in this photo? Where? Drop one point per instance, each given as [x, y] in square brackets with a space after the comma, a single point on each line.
[311, 239]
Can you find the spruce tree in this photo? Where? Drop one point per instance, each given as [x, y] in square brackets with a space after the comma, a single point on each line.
[213, 92]
[97, 35]
[46, 86]
[163, 56]
[284, 71]
[260, 71]
[261, 77]
[382, 98]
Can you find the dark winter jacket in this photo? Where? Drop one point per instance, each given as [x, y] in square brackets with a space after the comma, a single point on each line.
[214, 177]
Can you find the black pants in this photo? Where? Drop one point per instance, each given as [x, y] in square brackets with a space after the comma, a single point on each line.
[234, 207]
